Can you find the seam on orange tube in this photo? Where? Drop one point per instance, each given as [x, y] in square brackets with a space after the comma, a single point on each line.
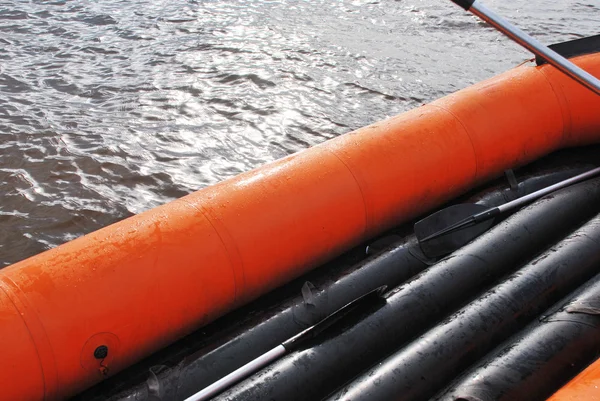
[562, 103]
[37, 333]
[362, 193]
[469, 135]
[233, 254]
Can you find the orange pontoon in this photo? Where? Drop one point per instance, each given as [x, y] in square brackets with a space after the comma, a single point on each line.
[586, 386]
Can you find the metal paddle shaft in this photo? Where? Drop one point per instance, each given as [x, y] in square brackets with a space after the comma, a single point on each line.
[239, 374]
[287, 346]
[479, 216]
[531, 44]
[542, 192]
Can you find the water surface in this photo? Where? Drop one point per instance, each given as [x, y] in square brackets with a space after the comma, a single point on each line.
[110, 108]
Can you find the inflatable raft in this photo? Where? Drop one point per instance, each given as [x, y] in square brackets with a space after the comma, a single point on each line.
[82, 312]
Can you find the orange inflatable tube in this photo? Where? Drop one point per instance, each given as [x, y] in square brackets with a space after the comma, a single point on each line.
[585, 386]
[84, 310]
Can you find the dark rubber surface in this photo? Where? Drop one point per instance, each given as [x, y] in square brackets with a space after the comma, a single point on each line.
[443, 288]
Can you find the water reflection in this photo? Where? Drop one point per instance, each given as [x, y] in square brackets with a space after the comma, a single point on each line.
[114, 107]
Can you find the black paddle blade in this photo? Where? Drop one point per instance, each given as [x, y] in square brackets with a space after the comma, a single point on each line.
[316, 329]
[448, 243]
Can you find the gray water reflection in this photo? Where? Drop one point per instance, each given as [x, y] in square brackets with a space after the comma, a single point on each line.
[110, 108]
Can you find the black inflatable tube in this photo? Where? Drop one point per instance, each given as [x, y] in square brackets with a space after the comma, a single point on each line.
[391, 266]
[429, 363]
[537, 362]
[314, 373]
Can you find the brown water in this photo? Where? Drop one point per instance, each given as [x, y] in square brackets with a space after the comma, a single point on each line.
[110, 108]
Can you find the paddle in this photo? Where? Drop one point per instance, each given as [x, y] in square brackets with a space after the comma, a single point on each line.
[452, 227]
[287, 346]
[531, 44]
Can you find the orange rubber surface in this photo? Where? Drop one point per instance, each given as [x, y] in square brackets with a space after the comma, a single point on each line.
[584, 387]
[145, 282]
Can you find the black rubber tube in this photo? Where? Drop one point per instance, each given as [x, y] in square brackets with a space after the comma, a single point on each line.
[391, 266]
[314, 373]
[538, 361]
[425, 366]
[249, 340]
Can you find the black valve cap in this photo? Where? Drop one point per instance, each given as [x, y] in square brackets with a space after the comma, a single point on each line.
[101, 352]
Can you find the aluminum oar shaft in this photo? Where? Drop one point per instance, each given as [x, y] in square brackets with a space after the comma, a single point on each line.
[531, 44]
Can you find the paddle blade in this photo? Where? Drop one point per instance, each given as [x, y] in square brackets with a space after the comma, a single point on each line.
[450, 242]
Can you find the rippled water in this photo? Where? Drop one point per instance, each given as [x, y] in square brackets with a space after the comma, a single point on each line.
[110, 108]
